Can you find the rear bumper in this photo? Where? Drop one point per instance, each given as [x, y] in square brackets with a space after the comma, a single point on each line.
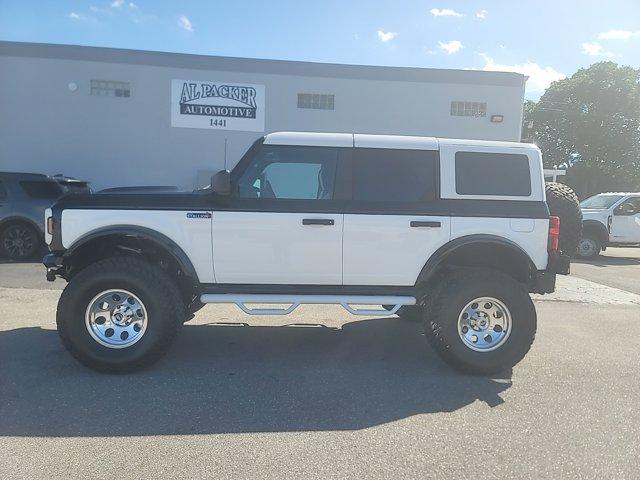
[559, 263]
[545, 281]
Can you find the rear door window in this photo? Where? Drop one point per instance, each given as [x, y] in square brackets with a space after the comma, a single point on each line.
[503, 174]
[391, 175]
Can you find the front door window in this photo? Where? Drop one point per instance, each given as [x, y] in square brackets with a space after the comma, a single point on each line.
[291, 173]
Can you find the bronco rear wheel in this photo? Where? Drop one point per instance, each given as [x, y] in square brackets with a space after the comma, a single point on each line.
[119, 315]
[481, 321]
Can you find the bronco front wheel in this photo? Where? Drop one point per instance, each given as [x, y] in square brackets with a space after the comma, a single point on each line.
[119, 315]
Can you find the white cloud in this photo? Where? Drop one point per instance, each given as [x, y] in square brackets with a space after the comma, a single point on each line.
[133, 6]
[618, 35]
[591, 48]
[482, 14]
[117, 3]
[445, 12]
[185, 23]
[80, 17]
[450, 47]
[539, 77]
[594, 49]
[386, 36]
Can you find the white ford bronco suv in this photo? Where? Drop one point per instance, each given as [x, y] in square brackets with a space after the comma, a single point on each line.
[455, 232]
[609, 220]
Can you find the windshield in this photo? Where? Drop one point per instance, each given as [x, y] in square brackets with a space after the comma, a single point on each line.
[601, 202]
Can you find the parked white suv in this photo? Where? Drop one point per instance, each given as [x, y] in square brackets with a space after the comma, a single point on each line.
[609, 220]
[454, 231]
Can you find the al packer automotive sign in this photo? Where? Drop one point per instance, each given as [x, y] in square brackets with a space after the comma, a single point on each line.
[217, 105]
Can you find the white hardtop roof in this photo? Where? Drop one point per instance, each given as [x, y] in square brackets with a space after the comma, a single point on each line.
[379, 141]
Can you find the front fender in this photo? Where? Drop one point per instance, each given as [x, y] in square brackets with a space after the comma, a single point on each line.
[159, 239]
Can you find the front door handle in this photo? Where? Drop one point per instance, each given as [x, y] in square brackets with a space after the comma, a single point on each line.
[419, 223]
[318, 221]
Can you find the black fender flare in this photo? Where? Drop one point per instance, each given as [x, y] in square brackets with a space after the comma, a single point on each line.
[598, 228]
[444, 252]
[160, 239]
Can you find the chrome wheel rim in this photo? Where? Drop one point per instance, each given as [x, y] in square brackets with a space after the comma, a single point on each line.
[18, 241]
[116, 318]
[484, 324]
[587, 247]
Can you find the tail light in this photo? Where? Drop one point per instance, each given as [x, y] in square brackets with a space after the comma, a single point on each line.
[553, 244]
[50, 225]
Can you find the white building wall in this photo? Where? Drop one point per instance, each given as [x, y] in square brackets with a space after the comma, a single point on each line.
[111, 141]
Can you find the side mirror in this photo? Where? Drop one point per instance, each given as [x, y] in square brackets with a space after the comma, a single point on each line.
[627, 209]
[221, 183]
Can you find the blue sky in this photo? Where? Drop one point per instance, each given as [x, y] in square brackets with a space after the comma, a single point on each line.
[543, 39]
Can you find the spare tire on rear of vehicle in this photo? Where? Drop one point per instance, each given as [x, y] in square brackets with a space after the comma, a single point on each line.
[563, 203]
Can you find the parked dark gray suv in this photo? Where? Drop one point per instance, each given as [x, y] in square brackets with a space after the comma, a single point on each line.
[23, 200]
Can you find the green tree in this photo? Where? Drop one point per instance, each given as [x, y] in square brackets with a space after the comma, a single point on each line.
[591, 119]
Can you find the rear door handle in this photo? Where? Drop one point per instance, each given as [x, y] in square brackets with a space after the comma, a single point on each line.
[419, 223]
[318, 221]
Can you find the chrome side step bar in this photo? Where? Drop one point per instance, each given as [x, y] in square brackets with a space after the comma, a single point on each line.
[294, 301]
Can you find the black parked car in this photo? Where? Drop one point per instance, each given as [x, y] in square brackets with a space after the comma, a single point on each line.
[23, 200]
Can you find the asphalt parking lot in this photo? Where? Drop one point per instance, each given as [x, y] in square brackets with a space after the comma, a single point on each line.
[617, 267]
[323, 394]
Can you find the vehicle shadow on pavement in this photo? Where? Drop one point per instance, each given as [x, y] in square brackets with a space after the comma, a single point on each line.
[604, 261]
[230, 378]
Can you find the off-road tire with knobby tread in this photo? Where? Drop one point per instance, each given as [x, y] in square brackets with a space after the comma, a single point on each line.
[563, 203]
[155, 289]
[446, 302]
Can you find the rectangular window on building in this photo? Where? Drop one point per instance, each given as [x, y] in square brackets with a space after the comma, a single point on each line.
[317, 101]
[492, 174]
[110, 88]
[468, 109]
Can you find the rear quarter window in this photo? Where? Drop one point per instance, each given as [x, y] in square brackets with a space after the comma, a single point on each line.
[42, 190]
[503, 174]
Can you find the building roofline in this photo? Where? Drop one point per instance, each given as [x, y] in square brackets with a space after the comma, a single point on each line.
[254, 65]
